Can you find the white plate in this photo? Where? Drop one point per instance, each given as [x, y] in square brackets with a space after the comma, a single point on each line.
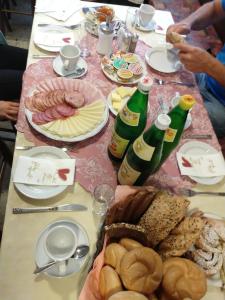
[54, 30]
[74, 265]
[133, 80]
[38, 191]
[59, 69]
[196, 147]
[78, 138]
[157, 59]
[150, 27]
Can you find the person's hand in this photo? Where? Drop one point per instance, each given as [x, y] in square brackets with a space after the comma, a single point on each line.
[194, 59]
[9, 110]
[181, 28]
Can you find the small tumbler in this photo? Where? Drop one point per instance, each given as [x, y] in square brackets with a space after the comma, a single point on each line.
[103, 197]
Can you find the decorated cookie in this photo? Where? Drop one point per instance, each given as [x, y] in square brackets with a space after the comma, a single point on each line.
[130, 58]
[119, 63]
[125, 74]
[106, 61]
[136, 68]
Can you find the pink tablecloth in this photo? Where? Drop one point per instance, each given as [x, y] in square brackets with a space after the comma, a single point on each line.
[93, 165]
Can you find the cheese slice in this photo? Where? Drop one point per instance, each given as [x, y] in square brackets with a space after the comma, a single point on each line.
[123, 91]
[115, 97]
[117, 105]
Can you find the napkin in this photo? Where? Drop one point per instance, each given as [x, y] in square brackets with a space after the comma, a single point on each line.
[201, 165]
[40, 171]
[52, 39]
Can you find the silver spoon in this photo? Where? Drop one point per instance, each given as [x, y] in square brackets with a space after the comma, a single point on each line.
[80, 251]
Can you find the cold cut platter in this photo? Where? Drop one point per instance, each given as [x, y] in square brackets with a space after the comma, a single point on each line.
[66, 109]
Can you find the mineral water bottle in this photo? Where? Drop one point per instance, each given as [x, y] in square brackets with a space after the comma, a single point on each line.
[131, 120]
[178, 117]
[143, 156]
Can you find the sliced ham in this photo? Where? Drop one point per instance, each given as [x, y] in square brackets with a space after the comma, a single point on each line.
[74, 98]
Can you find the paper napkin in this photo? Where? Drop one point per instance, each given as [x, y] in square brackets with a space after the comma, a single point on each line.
[205, 165]
[51, 39]
[39, 171]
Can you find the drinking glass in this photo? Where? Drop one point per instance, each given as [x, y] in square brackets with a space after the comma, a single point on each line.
[131, 19]
[103, 197]
[83, 39]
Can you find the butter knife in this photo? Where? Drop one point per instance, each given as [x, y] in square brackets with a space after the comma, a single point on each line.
[71, 27]
[63, 207]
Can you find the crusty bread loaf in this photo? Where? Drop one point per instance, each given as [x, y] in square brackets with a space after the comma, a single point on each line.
[165, 212]
[130, 244]
[141, 270]
[127, 295]
[183, 279]
[109, 282]
[182, 237]
[130, 209]
[113, 255]
[120, 230]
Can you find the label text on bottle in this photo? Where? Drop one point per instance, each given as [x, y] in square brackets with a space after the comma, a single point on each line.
[127, 175]
[118, 145]
[142, 149]
[170, 135]
[129, 117]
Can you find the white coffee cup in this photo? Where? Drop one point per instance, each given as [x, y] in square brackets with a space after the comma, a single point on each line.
[146, 13]
[70, 55]
[60, 243]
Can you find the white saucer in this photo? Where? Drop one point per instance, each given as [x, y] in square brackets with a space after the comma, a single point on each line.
[150, 27]
[157, 59]
[74, 265]
[196, 147]
[58, 68]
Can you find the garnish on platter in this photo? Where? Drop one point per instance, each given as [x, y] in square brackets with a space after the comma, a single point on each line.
[123, 67]
[99, 14]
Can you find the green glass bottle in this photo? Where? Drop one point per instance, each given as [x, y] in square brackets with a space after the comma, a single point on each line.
[178, 117]
[130, 121]
[143, 156]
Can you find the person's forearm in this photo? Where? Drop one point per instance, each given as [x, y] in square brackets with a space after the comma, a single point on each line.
[203, 17]
[216, 70]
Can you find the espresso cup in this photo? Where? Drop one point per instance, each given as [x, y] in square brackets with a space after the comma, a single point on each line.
[60, 243]
[70, 55]
[146, 13]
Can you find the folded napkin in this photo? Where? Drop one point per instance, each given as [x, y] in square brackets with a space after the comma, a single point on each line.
[201, 165]
[38, 171]
[52, 39]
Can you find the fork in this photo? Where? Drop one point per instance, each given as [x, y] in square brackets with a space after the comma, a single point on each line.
[191, 193]
[162, 82]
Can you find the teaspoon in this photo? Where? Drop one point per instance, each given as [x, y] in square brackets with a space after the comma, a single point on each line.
[80, 252]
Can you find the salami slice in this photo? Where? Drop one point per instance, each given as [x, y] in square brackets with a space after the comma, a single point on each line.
[38, 118]
[65, 110]
[74, 98]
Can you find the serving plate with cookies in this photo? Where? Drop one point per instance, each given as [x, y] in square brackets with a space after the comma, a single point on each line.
[123, 68]
[156, 247]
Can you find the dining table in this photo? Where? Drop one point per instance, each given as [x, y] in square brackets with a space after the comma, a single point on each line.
[93, 167]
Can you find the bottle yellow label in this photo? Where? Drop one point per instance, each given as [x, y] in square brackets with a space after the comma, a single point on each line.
[129, 117]
[170, 135]
[118, 145]
[142, 149]
[127, 175]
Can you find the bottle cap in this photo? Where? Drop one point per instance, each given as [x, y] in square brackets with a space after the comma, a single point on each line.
[186, 102]
[162, 122]
[145, 84]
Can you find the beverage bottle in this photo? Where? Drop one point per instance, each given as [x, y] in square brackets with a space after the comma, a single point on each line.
[130, 121]
[143, 156]
[178, 117]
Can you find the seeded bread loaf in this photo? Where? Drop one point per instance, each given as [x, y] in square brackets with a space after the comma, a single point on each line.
[165, 212]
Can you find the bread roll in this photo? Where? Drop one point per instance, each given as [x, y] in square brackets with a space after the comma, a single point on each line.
[127, 295]
[141, 270]
[182, 237]
[174, 37]
[183, 279]
[165, 212]
[130, 244]
[113, 254]
[109, 282]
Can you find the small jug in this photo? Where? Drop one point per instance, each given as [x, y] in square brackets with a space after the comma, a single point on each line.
[105, 38]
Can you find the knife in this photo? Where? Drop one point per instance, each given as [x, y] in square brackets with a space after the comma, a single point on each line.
[198, 136]
[71, 27]
[64, 207]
